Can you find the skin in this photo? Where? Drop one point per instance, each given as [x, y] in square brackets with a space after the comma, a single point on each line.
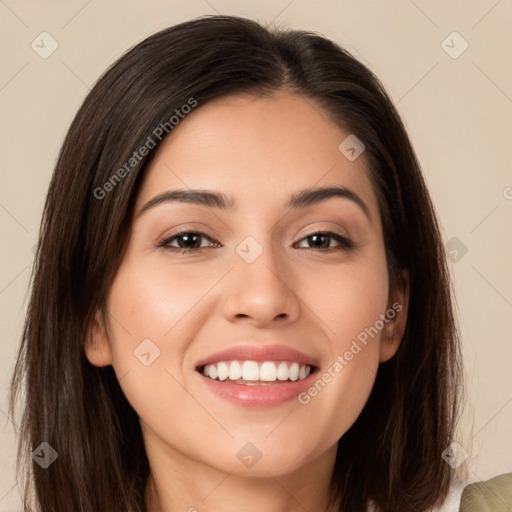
[259, 151]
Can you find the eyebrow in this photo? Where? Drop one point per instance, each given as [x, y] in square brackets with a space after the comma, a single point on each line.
[211, 199]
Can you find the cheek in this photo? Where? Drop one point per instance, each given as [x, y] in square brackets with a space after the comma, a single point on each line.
[155, 302]
[348, 300]
[349, 305]
[153, 299]
[156, 311]
[154, 314]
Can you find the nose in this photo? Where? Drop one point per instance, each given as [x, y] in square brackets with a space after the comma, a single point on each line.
[262, 292]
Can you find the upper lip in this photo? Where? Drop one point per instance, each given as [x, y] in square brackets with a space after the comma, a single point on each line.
[259, 353]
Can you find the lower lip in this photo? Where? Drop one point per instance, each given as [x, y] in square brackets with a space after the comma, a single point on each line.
[265, 395]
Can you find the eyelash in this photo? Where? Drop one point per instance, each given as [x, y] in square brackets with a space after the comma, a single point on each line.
[346, 243]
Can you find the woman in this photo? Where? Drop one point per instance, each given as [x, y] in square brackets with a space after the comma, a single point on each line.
[240, 298]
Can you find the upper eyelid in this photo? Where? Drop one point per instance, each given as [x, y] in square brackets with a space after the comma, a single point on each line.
[200, 228]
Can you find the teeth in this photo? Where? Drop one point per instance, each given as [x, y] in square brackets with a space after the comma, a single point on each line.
[235, 370]
[282, 371]
[267, 371]
[250, 370]
[222, 371]
[294, 371]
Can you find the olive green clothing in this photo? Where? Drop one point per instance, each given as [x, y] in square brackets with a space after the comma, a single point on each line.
[494, 495]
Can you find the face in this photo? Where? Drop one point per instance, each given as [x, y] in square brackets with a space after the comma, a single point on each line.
[281, 299]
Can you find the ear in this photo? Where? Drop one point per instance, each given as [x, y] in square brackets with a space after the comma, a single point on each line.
[395, 319]
[97, 345]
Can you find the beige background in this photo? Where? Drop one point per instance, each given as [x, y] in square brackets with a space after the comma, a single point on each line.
[458, 112]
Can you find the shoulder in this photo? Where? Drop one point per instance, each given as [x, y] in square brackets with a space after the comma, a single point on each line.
[494, 495]
[490, 495]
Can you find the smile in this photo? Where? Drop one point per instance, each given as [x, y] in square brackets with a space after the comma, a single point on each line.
[257, 375]
[254, 373]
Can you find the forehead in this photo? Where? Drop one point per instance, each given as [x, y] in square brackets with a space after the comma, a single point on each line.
[246, 146]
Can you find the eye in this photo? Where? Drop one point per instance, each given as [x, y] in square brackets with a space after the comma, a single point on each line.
[187, 241]
[322, 240]
[191, 241]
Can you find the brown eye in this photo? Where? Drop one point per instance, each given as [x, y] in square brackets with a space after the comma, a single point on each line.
[187, 241]
[323, 240]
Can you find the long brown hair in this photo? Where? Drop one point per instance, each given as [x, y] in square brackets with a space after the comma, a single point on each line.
[392, 453]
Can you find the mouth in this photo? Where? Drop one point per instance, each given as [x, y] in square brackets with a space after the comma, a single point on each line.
[256, 373]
